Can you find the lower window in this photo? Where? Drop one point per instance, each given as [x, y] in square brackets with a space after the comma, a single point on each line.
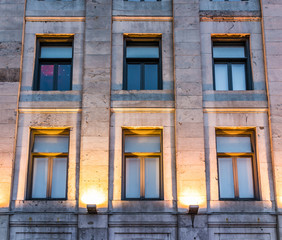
[48, 164]
[236, 164]
[142, 164]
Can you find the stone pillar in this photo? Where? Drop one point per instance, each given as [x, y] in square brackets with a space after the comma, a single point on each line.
[272, 22]
[94, 160]
[189, 122]
[11, 25]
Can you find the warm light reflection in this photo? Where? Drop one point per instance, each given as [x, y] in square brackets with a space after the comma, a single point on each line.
[192, 198]
[93, 196]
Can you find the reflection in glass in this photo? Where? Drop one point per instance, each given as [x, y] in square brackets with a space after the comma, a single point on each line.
[233, 144]
[152, 178]
[151, 76]
[64, 77]
[142, 52]
[59, 178]
[245, 177]
[229, 52]
[51, 144]
[133, 76]
[226, 182]
[221, 77]
[39, 181]
[132, 178]
[56, 52]
[46, 77]
[142, 143]
[238, 77]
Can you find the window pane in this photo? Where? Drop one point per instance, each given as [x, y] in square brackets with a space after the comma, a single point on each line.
[151, 76]
[245, 177]
[233, 144]
[133, 76]
[46, 77]
[142, 52]
[226, 183]
[51, 144]
[229, 52]
[59, 178]
[132, 178]
[64, 77]
[221, 77]
[39, 181]
[238, 77]
[56, 52]
[152, 188]
[142, 144]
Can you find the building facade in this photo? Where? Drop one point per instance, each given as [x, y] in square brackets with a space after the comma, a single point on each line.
[165, 114]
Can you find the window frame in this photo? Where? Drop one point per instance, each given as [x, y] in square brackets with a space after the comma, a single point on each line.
[56, 42]
[145, 41]
[235, 155]
[50, 156]
[142, 156]
[229, 61]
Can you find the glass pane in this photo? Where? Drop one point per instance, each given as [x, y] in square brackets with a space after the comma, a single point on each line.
[245, 177]
[142, 52]
[233, 144]
[64, 77]
[56, 52]
[142, 144]
[133, 76]
[221, 77]
[152, 178]
[59, 178]
[46, 77]
[229, 52]
[151, 76]
[132, 178]
[39, 181]
[51, 144]
[238, 77]
[226, 183]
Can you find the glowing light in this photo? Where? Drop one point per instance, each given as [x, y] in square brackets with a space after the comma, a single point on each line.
[192, 198]
[93, 196]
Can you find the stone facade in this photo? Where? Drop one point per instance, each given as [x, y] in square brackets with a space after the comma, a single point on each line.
[96, 112]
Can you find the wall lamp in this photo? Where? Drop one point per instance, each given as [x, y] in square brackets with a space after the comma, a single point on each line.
[91, 208]
[193, 210]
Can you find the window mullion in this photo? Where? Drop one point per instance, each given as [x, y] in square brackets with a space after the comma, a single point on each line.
[55, 77]
[49, 179]
[142, 77]
[142, 177]
[235, 177]
[230, 80]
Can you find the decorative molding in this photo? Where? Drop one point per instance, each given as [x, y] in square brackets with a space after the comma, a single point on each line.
[229, 19]
[54, 110]
[55, 19]
[143, 19]
[142, 110]
[235, 110]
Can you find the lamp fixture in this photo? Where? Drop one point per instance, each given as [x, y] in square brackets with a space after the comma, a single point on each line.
[92, 208]
[193, 210]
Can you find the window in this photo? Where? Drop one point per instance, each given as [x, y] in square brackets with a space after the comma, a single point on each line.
[142, 164]
[236, 165]
[53, 68]
[48, 164]
[232, 69]
[142, 64]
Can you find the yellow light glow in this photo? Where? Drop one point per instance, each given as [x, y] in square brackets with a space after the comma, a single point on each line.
[192, 198]
[93, 196]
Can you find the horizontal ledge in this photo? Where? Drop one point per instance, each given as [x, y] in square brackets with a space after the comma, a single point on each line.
[230, 19]
[142, 110]
[242, 225]
[55, 19]
[235, 110]
[137, 18]
[55, 110]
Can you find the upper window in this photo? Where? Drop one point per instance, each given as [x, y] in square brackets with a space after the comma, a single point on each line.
[232, 69]
[236, 165]
[142, 64]
[53, 68]
[48, 164]
[142, 164]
